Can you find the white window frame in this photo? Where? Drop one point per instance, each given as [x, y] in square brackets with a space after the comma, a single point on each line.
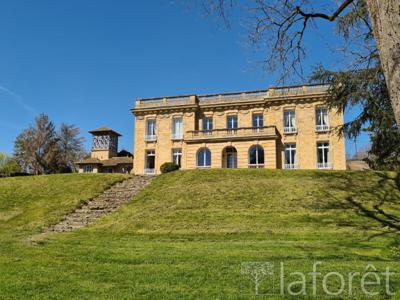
[325, 164]
[259, 120]
[231, 152]
[147, 170]
[292, 128]
[151, 131]
[292, 163]
[322, 125]
[87, 169]
[177, 156]
[204, 158]
[177, 135]
[232, 117]
[208, 123]
[234, 125]
[257, 165]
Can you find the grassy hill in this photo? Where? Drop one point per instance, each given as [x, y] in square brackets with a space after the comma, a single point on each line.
[187, 234]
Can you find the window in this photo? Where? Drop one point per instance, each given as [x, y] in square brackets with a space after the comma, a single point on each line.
[151, 130]
[323, 155]
[204, 158]
[150, 162]
[177, 156]
[289, 121]
[258, 120]
[207, 123]
[231, 122]
[88, 169]
[290, 156]
[231, 157]
[177, 129]
[321, 118]
[256, 157]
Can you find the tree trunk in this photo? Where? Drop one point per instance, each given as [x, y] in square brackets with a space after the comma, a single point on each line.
[385, 16]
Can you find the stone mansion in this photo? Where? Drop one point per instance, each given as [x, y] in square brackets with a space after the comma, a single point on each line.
[279, 128]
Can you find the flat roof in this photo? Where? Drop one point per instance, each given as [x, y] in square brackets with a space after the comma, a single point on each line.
[288, 87]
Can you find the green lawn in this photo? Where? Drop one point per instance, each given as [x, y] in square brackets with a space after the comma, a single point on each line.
[187, 234]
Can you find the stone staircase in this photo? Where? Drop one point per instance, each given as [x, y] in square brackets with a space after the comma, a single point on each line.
[104, 204]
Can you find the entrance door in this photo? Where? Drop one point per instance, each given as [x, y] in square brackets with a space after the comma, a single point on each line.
[231, 157]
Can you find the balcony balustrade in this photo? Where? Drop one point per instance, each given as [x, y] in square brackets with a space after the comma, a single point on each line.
[177, 136]
[291, 166]
[231, 134]
[322, 128]
[289, 129]
[150, 137]
[324, 166]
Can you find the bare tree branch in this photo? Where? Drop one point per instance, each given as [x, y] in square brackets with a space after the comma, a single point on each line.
[282, 25]
[331, 17]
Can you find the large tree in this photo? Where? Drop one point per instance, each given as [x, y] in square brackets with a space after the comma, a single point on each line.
[370, 78]
[36, 147]
[385, 16]
[280, 25]
[40, 149]
[70, 146]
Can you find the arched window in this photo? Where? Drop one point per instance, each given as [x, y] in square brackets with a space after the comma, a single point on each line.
[204, 158]
[256, 157]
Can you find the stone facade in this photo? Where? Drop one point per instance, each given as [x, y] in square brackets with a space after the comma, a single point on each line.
[275, 119]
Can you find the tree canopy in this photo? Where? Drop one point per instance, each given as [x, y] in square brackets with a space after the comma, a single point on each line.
[279, 27]
[40, 149]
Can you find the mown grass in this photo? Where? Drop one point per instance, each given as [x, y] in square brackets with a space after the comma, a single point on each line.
[186, 235]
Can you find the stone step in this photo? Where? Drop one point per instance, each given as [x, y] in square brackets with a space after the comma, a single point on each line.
[104, 204]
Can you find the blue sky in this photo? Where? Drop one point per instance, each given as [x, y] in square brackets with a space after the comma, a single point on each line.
[84, 62]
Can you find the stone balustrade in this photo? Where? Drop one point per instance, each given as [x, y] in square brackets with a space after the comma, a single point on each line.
[231, 134]
[270, 93]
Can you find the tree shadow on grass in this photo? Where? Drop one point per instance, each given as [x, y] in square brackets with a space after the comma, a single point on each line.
[375, 196]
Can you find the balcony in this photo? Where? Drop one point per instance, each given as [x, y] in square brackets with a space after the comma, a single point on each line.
[322, 128]
[150, 137]
[289, 130]
[229, 134]
[324, 166]
[177, 136]
[291, 166]
[256, 166]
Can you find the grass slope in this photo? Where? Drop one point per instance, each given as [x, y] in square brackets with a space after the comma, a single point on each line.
[186, 235]
[27, 204]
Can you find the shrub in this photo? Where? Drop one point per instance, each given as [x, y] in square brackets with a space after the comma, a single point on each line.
[8, 165]
[168, 167]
